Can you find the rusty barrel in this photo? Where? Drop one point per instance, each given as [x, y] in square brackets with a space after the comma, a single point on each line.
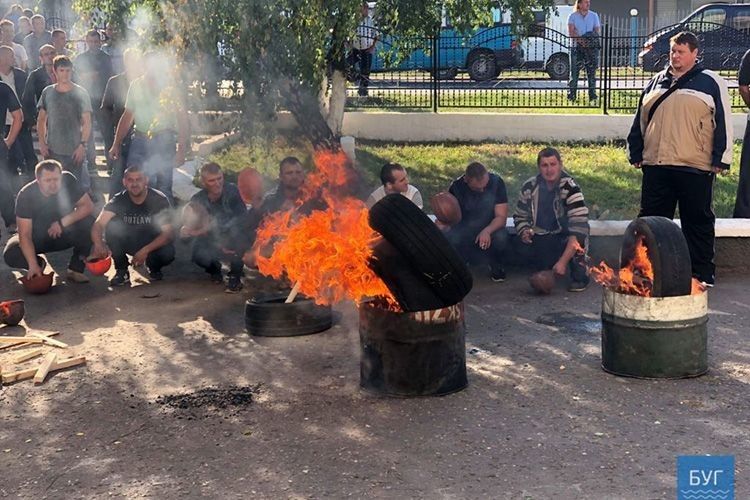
[412, 354]
[654, 337]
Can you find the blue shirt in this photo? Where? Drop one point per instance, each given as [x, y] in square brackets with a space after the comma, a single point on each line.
[584, 24]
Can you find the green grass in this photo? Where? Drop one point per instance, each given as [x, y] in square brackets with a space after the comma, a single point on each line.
[610, 185]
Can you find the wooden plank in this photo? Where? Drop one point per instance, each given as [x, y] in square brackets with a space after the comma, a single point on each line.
[48, 340]
[24, 343]
[15, 340]
[10, 377]
[28, 355]
[43, 370]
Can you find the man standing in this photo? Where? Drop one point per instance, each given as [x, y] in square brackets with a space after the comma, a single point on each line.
[24, 28]
[156, 109]
[59, 42]
[681, 138]
[112, 109]
[481, 236]
[22, 156]
[551, 220]
[742, 202]
[8, 104]
[38, 80]
[39, 36]
[64, 121]
[584, 28]
[135, 222]
[53, 214]
[363, 48]
[7, 32]
[92, 71]
[227, 234]
[395, 180]
[289, 190]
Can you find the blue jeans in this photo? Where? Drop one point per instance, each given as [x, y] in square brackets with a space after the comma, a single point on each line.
[155, 155]
[587, 58]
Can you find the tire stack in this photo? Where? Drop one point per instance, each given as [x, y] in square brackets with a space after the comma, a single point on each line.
[414, 259]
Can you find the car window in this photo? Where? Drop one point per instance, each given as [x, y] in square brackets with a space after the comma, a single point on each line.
[713, 19]
[741, 20]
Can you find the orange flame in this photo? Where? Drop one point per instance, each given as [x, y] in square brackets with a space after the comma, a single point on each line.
[636, 277]
[327, 251]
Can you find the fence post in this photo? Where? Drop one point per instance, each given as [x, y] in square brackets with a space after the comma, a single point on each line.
[606, 70]
[435, 71]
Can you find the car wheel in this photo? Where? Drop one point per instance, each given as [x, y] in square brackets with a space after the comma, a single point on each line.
[482, 66]
[446, 74]
[270, 316]
[667, 251]
[424, 247]
[558, 67]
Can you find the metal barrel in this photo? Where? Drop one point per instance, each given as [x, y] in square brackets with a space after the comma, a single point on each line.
[646, 337]
[412, 354]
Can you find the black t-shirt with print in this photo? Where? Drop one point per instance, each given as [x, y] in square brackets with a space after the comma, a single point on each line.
[145, 219]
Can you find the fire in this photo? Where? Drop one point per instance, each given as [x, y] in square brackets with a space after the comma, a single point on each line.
[327, 251]
[636, 277]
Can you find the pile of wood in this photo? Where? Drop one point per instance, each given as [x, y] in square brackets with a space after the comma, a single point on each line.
[32, 346]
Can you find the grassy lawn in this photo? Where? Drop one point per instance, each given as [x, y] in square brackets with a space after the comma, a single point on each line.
[610, 185]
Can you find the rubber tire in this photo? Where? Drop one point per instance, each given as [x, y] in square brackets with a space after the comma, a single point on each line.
[446, 74]
[411, 291]
[479, 60]
[425, 248]
[269, 316]
[667, 250]
[555, 67]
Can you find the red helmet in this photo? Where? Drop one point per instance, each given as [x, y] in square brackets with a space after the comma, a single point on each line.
[98, 267]
[38, 284]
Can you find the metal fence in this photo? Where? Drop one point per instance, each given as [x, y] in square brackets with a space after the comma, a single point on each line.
[495, 69]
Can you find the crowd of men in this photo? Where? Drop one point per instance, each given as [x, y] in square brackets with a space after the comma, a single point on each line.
[143, 121]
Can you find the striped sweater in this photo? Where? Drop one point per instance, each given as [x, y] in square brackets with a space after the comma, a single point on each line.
[569, 206]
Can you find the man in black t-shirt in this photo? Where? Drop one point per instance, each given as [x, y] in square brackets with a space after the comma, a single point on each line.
[135, 222]
[53, 214]
[742, 203]
[481, 236]
[8, 173]
[229, 232]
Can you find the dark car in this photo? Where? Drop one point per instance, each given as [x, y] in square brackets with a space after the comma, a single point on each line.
[723, 30]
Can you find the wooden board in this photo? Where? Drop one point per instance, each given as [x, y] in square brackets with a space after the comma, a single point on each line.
[48, 340]
[44, 368]
[10, 377]
[28, 355]
[24, 342]
[16, 340]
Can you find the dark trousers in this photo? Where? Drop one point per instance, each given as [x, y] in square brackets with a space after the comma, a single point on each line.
[360, 62]
[77, 236]
[156, 155]
[69, 165]
[585, 58]
[663, 189]
[545, 250]
[463, 237]
[22, 154]
[742, 203]
[123, 241]
[8, 179]
[118, 168]
[208, 253]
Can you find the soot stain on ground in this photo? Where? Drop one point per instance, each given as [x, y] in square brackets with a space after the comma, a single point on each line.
[229, 399]
[582, 324]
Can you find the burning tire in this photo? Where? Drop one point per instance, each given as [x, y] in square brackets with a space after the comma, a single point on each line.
[667, 250]
[424, 248]
[269, 316]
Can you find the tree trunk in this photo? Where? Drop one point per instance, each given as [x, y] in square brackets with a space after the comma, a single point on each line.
[337, 102]
[304, 105]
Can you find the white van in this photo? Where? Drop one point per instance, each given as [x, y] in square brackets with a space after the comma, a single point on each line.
[549, 50]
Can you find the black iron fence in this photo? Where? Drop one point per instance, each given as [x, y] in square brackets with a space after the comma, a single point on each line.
[494, 69]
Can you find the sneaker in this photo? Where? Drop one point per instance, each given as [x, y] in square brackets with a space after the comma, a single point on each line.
[234, 284]
[76, 277]
[217, 277]
[497, 274]
[578, 286]
[121, 278]
[155, 275]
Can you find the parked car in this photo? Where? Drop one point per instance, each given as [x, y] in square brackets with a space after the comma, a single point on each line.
[723, 30]
[547, 46]
[482, 53]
